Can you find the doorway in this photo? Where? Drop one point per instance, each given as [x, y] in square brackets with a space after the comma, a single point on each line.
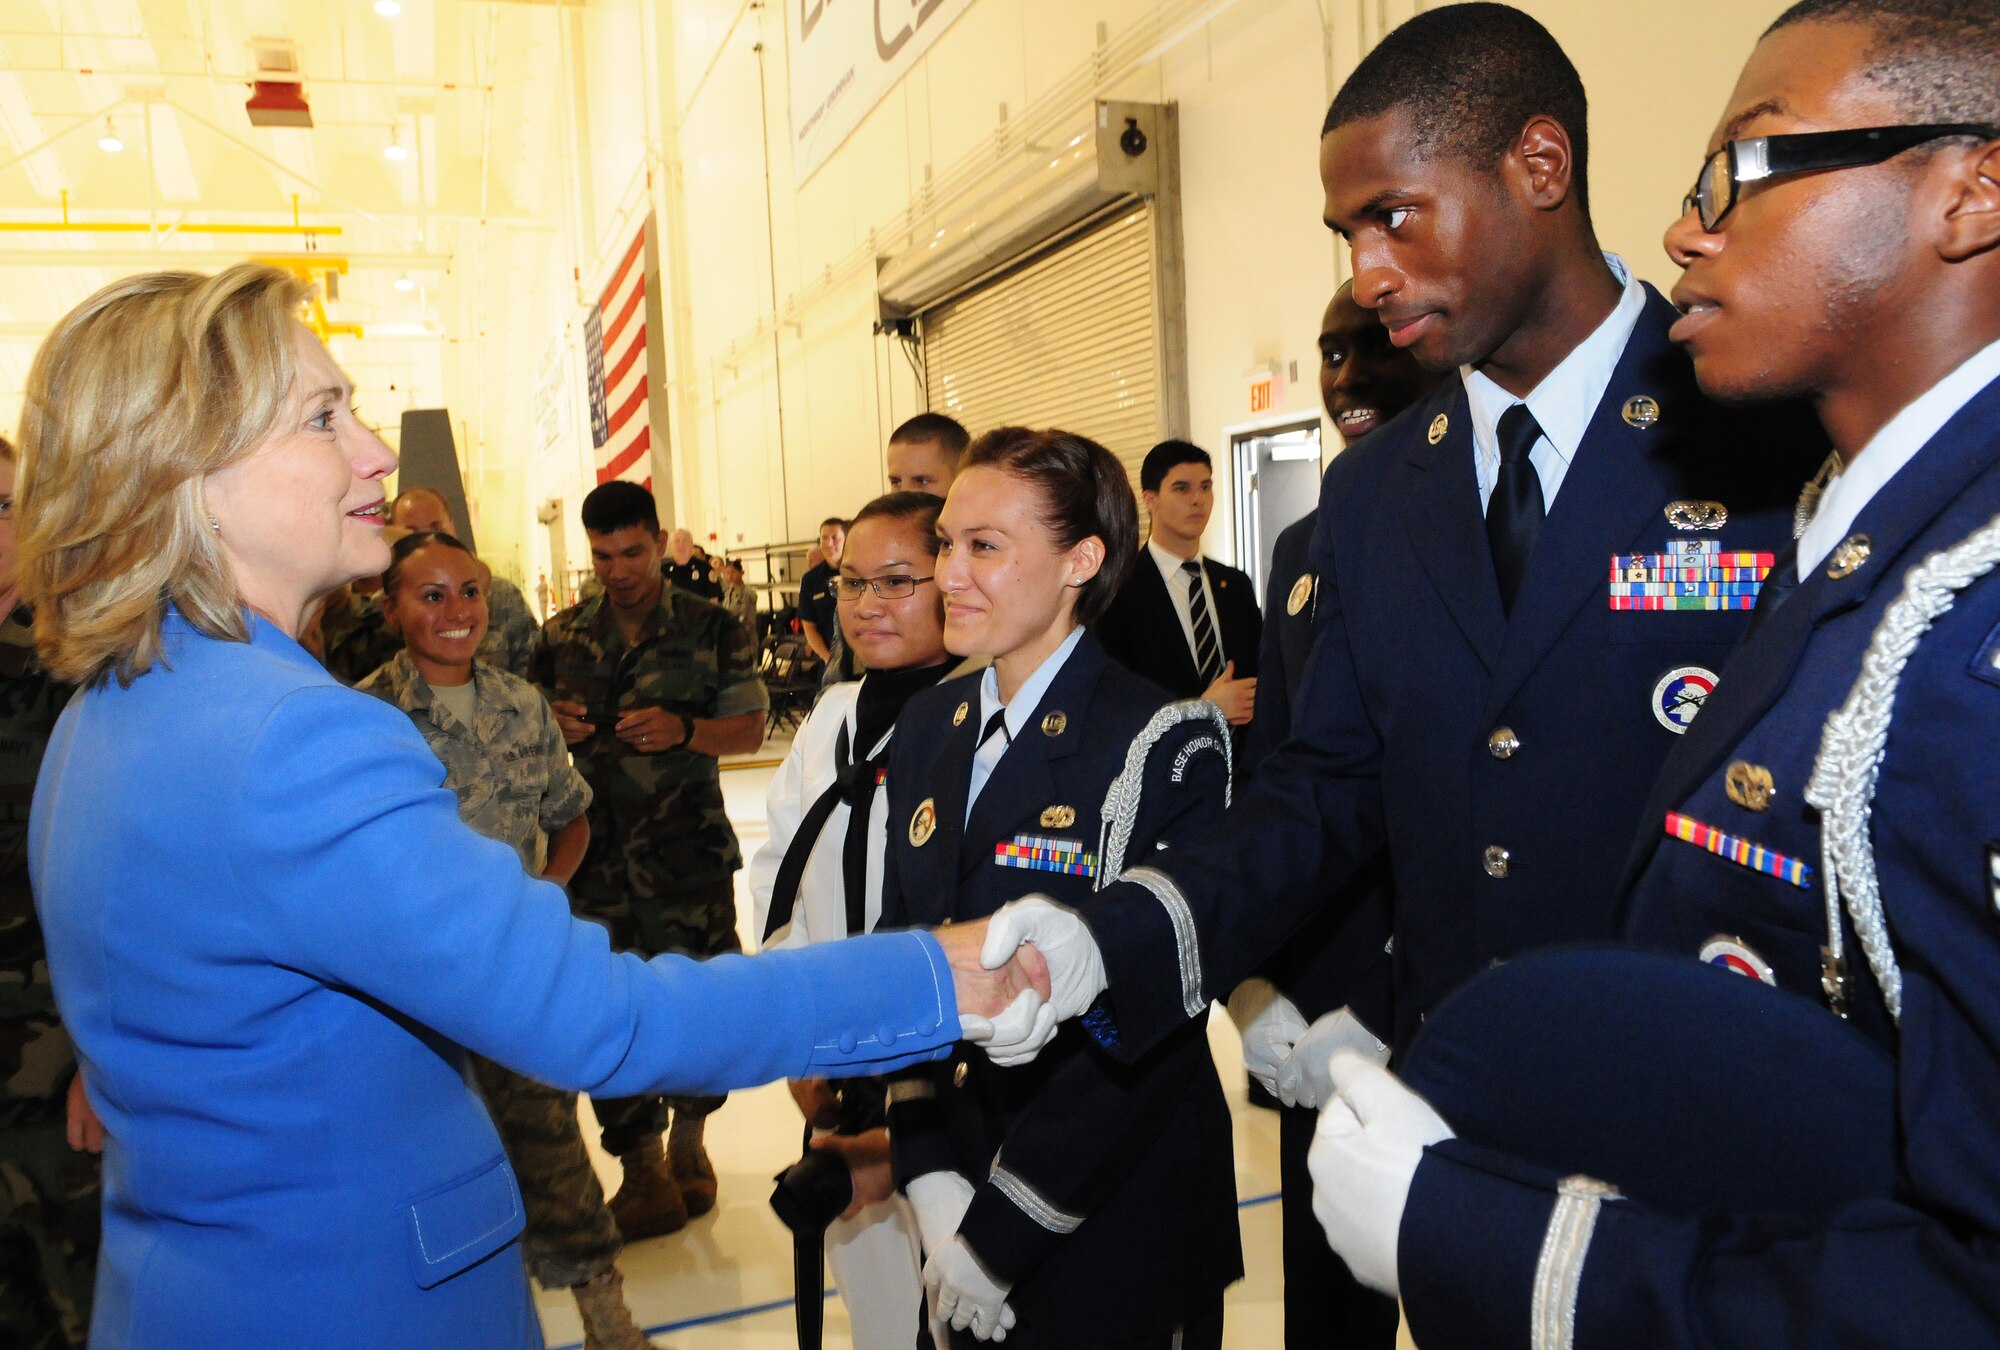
[1277, 481]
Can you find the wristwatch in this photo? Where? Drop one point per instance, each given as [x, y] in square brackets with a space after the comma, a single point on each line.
[687, 732]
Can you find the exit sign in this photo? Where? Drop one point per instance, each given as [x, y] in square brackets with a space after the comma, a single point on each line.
[1263, 394]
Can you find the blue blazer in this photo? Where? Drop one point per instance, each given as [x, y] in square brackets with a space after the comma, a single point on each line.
[1923, 1267]
[270, 934]
[1502, 758]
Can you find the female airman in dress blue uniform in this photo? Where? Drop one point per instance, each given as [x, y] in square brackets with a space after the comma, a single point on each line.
[1072, 1201]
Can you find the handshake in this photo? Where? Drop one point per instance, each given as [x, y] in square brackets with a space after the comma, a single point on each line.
[1018, 973]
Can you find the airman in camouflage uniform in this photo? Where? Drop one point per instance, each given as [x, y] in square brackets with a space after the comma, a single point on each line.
[511, 629]
[663, 857]
[49, 1197]
[354, 637]
[514, 781]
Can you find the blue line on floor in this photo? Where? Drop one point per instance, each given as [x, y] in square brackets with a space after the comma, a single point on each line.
[779, 1304]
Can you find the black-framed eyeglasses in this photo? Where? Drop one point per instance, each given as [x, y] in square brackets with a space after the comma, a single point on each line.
[1722, 177]
[886, 588]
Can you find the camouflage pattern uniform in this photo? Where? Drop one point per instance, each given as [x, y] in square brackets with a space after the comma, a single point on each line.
[511, 629]
[354, 637]
[514, 781]
[663, 858]
[49, 1197]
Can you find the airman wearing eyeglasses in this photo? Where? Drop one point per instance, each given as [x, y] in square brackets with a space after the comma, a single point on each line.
[1827, 826]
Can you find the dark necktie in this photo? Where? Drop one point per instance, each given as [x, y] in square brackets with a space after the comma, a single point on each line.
[1778, 586]
[997, 722]
[1207, 647]
[1514, 513]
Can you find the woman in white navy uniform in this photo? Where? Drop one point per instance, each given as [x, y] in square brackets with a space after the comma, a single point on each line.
[1071, 1201]
[823, 864]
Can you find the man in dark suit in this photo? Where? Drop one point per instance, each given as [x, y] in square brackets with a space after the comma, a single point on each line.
[1482, 699]
[1330, 984]
[1187, 623]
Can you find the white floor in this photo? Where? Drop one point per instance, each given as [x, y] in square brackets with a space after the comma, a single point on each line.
[725, 1282]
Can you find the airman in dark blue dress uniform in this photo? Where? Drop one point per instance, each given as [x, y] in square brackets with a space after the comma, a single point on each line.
[1102, 1194]
[1339, 958]
[1502, 752]
[1828, 827]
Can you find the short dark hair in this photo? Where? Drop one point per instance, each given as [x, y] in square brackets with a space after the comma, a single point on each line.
[400, 552]
[1469, 77]
[1939, 59]
[918, 508]
[1167, 456]
[613, 506]
[1084, 492]
[945, 431]
[833, 520]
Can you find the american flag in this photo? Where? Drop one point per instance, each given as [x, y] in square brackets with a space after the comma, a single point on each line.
[614, 337]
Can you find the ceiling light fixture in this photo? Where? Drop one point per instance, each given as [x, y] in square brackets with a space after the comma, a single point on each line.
[403, 283]
[109, 142]
[388, 9]
[394, 151]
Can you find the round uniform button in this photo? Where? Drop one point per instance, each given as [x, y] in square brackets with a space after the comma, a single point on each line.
[1502, 743]
[847, 1042]
[1496, 861]
[959, 1074]
[886, 1035]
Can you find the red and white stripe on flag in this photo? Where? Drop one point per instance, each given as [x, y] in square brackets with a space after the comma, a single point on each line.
[624, 450]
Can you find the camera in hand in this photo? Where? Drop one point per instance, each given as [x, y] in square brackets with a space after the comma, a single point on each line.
[813, 1191]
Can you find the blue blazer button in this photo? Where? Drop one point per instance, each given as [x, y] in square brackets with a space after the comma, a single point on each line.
[887, 1035]
[847, 1042]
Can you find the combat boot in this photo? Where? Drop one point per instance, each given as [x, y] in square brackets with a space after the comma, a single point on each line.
[689, 1162]
[607, 1322]
[649, 1202]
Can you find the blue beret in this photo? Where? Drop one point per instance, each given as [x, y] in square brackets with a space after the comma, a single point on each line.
[1694, 1090]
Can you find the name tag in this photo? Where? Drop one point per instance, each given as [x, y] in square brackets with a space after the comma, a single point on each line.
[1043, 853]
[1697, 574]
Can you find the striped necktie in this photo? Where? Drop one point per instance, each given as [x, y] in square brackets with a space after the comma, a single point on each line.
[1207, 647]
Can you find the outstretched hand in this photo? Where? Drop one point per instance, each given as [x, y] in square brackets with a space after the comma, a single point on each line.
[985, 994]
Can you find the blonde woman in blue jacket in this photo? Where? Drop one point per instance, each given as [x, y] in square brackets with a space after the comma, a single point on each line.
[268, 1023]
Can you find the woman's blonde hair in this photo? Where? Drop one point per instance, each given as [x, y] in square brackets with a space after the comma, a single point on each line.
[142, 391]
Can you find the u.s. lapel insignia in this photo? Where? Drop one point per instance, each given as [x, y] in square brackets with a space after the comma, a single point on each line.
[1697, 515]
[1847, 556]
[958, 718]
[1738, 958]
[1058, 817]
[1439, 425]
[924, 823]
[1055, 724]
[1749, 785]
[1679, 696]
[1642, 411]
[1302, 590]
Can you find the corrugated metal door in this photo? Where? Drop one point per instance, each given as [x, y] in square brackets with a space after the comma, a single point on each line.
[1069, 339]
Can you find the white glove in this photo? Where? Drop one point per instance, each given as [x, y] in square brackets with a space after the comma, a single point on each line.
[966, 1296]
[1076, 968]
[1365, 1152]
[1302, 1078]
[1017, 1034]
[1271, 1025]
[940, 1200]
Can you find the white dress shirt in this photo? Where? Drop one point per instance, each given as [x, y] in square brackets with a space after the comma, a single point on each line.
[1888, 450]
[1563, 403]
[1023, 706]
[1179, 584]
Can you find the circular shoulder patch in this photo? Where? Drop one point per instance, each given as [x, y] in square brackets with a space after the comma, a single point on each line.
[923, 824]
[1302, 590]
[1738, 959]
[1679, 696]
